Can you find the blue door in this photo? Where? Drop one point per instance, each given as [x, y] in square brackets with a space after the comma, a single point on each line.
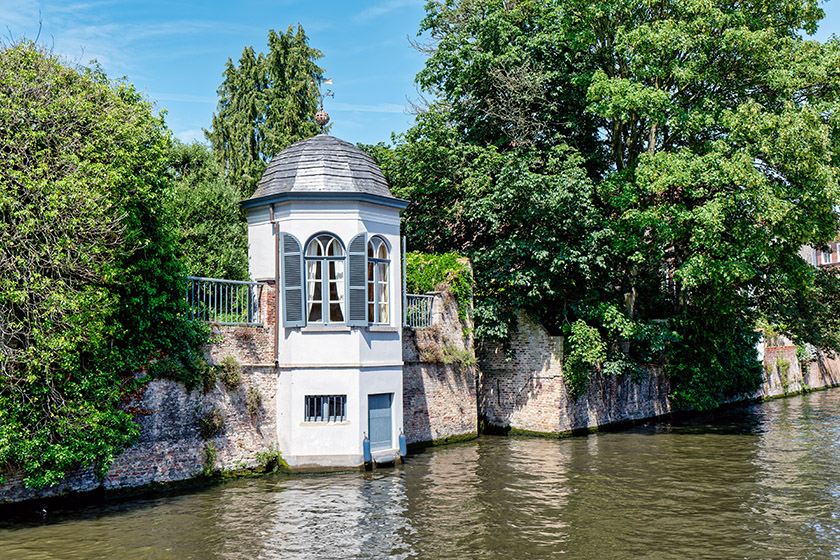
[379, 421]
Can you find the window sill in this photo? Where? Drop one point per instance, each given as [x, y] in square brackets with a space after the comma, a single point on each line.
[325, 329]
[382, 328]
[324, 423]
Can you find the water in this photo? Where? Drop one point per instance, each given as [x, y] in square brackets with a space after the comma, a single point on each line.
[757, 482]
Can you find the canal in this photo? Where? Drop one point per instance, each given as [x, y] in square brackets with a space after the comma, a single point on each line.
[758, 481]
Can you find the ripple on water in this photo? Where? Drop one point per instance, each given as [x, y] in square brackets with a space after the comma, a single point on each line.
[754, 482]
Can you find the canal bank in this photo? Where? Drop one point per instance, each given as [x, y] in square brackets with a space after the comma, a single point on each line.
[753, 481]
[526, 394]
[192, 437]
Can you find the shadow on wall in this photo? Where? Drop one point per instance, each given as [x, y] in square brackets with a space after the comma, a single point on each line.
[439, 377]
[528, 392]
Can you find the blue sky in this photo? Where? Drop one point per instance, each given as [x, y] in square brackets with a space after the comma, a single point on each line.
[175, 51]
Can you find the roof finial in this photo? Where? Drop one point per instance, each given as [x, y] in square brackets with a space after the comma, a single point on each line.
[321, 117]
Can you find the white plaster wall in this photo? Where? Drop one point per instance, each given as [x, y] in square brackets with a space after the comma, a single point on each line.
[334, 444]
[309, 346]
[384, 380]
[332, 360]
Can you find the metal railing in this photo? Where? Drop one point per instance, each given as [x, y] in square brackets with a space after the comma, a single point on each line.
[223, 302]
[418, 311]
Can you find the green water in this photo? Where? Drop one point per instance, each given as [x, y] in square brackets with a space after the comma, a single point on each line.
[757, 482]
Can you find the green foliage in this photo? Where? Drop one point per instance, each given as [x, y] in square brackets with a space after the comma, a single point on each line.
[272, 461]
[585, 352]
[714, 358]
[666, 160]
[266, 102]
[90, 289]
[253, 401]
[230, 372]
[428, 272]
[210, 454]
[203, 214]
[210, 422]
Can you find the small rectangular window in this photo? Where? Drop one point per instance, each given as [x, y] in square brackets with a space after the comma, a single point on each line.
[325, 408]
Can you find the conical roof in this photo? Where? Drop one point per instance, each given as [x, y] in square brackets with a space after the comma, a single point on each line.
[322, 164]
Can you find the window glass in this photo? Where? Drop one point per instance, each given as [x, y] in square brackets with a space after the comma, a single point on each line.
[377, 277]
[325, 408]
[325, 286]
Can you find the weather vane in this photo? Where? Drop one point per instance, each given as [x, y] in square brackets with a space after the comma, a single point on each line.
[321, 117]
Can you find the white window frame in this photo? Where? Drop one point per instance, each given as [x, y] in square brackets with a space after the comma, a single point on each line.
[339, 262]
[378, 307]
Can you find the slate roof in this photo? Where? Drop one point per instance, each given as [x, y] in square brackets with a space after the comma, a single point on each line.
[322, 164]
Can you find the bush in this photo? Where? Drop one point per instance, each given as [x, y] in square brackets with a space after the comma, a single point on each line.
[90, 290]
[230, 372]
[211, 422]
[253, 401]
[425, 272]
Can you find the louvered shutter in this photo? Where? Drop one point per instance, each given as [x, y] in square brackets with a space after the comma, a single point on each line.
[357, 281]
[291, 259]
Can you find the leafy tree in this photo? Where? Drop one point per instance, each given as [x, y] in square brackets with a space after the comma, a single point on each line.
[89, 286]
[266, 102]
[208, 227]
[709, 132]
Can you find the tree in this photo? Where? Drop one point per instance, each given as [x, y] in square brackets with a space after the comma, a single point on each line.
[709, 130]
[89, 286]
[208, 227]
[266, 102]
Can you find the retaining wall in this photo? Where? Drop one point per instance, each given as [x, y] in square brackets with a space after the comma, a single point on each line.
[170, 447]
[439, 378]
[527, 393]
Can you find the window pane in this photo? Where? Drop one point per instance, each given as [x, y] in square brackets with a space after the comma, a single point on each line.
[315, 249]
[315, 312]
[313, 270]
[383, 313]
[334, 249]
[383, 252]
[336, 313]
[371, 312]
[370, 291]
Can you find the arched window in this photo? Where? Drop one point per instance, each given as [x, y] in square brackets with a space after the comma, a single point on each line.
[325, 290]
[377, 280]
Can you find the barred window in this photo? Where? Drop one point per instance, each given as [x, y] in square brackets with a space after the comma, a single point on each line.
[325, 408]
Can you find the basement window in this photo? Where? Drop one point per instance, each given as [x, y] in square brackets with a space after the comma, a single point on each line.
[325, 408]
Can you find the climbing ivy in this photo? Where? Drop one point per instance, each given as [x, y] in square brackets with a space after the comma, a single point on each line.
[427, 272]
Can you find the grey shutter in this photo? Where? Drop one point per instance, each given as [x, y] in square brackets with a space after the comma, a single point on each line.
[357, 281]
[291, 258]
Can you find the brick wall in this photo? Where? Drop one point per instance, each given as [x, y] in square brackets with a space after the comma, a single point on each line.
[528, 393]
[170, 447]
[439, 399]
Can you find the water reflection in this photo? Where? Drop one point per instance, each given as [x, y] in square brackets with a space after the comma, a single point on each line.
[754, 482]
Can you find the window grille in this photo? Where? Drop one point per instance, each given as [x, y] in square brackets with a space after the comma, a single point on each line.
[325, 408]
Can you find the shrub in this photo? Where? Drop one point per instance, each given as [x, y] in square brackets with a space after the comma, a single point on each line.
[230, 372]
[90, 290]
[211, 422]
[253, 401]
[210, 454]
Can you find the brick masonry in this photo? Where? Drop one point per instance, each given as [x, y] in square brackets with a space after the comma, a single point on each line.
[170, 447]
[439, 378]
[439, 403]
[443, 392]
[527, 392]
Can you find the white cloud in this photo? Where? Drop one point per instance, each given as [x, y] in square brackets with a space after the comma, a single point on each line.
[189, 136]
[383, 8]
